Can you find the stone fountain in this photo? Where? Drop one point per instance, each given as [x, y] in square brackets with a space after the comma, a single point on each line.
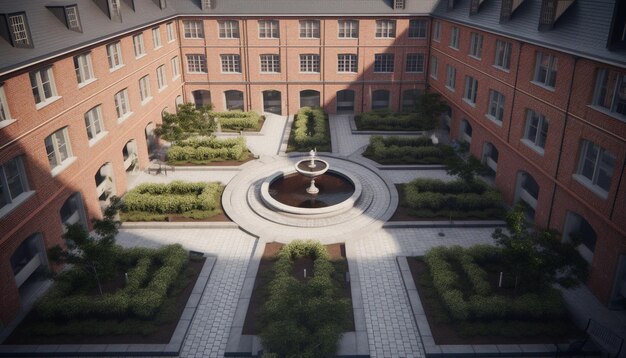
[312, 167]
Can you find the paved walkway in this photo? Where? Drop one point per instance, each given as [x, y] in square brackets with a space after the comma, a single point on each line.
[390, 327]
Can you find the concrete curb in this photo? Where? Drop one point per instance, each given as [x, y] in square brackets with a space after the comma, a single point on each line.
[94, 350]
[443, 224]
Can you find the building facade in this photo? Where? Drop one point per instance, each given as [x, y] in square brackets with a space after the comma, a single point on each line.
[83, 86]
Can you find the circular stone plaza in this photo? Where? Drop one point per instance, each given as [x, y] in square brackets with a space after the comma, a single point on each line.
[388, 320]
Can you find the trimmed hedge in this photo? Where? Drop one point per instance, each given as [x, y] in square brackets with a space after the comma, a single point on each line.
[453, 199]
[310, 121]
[176, 197]
[141, 298]
[237, 120]
[387, 120]
[451, 267]
[207, 149]
[399, 150]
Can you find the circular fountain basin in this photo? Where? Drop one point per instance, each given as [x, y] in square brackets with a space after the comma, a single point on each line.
[286, 192]
[318, 168]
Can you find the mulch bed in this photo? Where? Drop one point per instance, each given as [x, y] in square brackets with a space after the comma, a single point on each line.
[336, 251]
[445, 333]
[161, 336]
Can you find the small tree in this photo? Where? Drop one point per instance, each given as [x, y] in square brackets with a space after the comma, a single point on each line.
[539, 257]
[467, 170]
[430, 106]
[92, 255]
[187, 122]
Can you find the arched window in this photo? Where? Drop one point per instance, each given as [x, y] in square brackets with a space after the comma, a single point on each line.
[380, 99]
[72, 211]
[272, 102]
[490, 158]
[527, 191]
[409, 100]
[309, 98]
[129, 152]
[105, 184]
[200, 98]
[234, 100]
[345, 101]
[577, 229]
[29, 258]
[465, 134]
[151, 139]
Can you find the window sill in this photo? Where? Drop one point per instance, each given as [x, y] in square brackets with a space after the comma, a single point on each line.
[434, 77]
[347, 72]
[310, 73]
[60, 168]
[196, 73]
[124, 117]
[416, 38]
[7, 122]
[451, 89]
[41, 105]
[269, 73]
[507, 70]
[385, 38]
[347, 38]
[93, 141]
[8, 208]
[175, 78]
[454, 48]
[475, 57]
[543, 85]
[140, 56]
[170, 41]
[472, 104]
[437, 40]
[158, 48]
[589, 185]
[83, 84]
[533, 146]
[494, 120]
[148, 99]
[414, 72]
[603, 110]
[162, 89]
[115, 68]
[193, 38]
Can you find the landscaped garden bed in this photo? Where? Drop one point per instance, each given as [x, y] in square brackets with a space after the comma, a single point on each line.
[387, 120]
[143, 309]
[406, 150]
[433, 199]
[310, 130]
[297, 313]
[207, 150]
[459, 291]
[236, 121]
[176, 201]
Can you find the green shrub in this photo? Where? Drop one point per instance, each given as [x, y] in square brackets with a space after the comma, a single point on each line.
[476, 275]
[489, 307]
[406, 150]
[456, 305]
[385, 119]
[174, 198]
[207, 149]
[310, 130]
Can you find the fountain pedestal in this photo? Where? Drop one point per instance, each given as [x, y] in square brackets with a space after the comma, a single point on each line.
[312, 168]
[312, 189]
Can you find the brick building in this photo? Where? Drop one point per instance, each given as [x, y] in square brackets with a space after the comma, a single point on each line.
[82, 86]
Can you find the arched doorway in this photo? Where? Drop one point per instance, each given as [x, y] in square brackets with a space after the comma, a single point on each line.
[72, 211]
[272, 102]
[29, 263]
[309, 98]
[527, 191]
[409, 100]
[234, 100]
[129, 153]
[345, 101]
[105, 184]
[151, 139]
[201, 98]
[380, 99]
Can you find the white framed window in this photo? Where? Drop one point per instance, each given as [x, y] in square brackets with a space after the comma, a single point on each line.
[595, 167]
[437, 31]
[161, 79]
[228, 29]
[140, 49]
[347, 63]
[175, 63]
[144, 89]
[83, 68]
[434, 67]
[13, 183]
[309, 29]
[156, 38]
[59, 150]
[269, 29]
[495, 109]
[383, 62]
[94, 125]
[114, 55]
[42, 84]
[466, 131]
[535, 130]
[270, 63]
[450, 77]
[5, 115]
[454, 37]
[231, 63]
[545, 70]
[610, 92]
[415, 62]
[471, 89]
[385, 28]
[476, 45]
[348, 29]
[193, 29]
[417, 28]
[171, 32]
[20, 34]
[310, 63]
[73, 20]
[122, 105]
[196, 64]
[503, 55]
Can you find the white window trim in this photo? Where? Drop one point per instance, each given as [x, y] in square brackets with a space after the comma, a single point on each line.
[16, 202]
[103, 132]
[5, 105]
[349, 66]
[589, 185]
[195, 29]
[53, 87]
[270, 23]
[118, 48]
[157, 43]
[171, 32]
[231, 59]
[350, 29]
[491, 117]
[315, 26]
[261, 64]
[200, 57]
[148, 98]
[417, 57]
[161, 78]
[175, 67]
[129, 113]
[583, 179]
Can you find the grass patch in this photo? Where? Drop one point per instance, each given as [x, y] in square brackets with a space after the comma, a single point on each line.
[310, 130]
[399, 150]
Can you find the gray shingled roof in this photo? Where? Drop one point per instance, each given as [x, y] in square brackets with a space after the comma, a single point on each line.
[582, 30]
[51, 37]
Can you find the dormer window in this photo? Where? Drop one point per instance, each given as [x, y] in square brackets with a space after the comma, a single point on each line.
[206, 4]
[16, 30]
[116, 9]
[162, 4]
[68, 15]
